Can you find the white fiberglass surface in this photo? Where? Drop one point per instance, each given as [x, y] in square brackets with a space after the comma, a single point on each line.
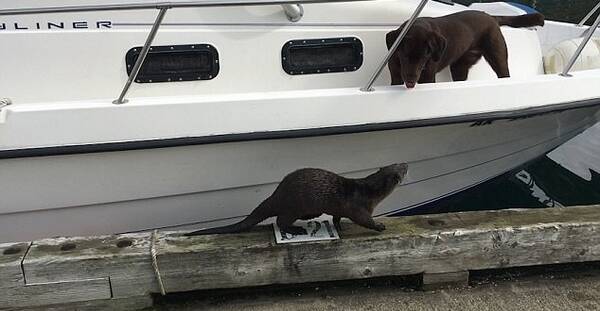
[59, 124]
[233, 165]
[446, 175]
[43, 63]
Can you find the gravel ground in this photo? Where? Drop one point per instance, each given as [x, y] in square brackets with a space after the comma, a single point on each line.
[560, 287]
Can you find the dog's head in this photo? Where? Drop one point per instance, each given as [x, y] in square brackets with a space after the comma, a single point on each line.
[420, 45]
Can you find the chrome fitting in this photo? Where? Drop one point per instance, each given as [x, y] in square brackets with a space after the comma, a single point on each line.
[294, 12]
[5, 102]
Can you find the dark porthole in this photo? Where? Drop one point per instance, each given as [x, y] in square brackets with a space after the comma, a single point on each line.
[173, 63]
[312, 56]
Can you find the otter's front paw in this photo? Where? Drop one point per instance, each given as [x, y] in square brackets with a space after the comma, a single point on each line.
[295, 230]
[379, 226]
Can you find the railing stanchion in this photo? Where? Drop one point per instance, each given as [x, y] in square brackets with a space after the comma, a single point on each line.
[589, 15]
[369, 86]
[580, 48]
[142, 56]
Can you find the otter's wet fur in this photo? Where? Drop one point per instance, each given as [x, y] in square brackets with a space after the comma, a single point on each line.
[308, 193]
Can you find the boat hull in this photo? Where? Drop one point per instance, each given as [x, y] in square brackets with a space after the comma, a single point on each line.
[205, 152]
[218, 183]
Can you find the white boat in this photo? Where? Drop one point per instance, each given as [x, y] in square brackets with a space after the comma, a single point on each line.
[234, 95]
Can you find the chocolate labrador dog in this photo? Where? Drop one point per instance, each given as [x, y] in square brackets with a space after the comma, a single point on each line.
[457, 40]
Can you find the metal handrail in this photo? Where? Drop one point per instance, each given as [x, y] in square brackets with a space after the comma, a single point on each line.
[586, 40]
[159, 5]
[589, 15]
[369, 86]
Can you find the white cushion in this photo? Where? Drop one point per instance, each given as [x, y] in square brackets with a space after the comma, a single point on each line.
[557, 58]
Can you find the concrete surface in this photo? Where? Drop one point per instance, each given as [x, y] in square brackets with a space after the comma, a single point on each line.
[562, 287]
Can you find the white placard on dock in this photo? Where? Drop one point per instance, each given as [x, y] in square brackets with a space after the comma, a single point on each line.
[318, 229]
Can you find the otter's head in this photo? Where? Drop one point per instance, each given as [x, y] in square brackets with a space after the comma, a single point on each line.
[394, 174]
[384, 181]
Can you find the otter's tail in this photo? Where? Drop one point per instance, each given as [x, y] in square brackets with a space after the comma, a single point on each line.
[527, 20]
[262, 212]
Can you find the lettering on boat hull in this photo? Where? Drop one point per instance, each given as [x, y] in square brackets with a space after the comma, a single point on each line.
[55, 25]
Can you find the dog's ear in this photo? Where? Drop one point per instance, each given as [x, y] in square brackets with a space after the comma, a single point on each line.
[391, 36]
[437, 44]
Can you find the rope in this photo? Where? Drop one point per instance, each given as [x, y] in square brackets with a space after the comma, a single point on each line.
[155, 263]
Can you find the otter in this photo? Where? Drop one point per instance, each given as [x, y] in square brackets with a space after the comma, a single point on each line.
[310, 192]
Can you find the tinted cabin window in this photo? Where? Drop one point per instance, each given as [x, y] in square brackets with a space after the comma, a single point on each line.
[176, 63]
[314, 56]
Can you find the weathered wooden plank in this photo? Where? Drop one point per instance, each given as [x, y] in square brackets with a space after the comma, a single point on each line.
[81, 269]
[11, 255]
[55, 293]
[125, 259]
[410, 245]
[17, 292]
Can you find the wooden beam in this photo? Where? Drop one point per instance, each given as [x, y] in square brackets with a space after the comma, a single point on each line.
[410, 245]
[108, 270]
[125, 259]
[43, 273]
[56, 293]
[17, 292]
[11, 256]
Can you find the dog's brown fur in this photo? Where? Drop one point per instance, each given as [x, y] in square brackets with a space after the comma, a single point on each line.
[457, 40]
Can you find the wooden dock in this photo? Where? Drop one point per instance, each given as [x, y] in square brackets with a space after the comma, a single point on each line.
[116, 272]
